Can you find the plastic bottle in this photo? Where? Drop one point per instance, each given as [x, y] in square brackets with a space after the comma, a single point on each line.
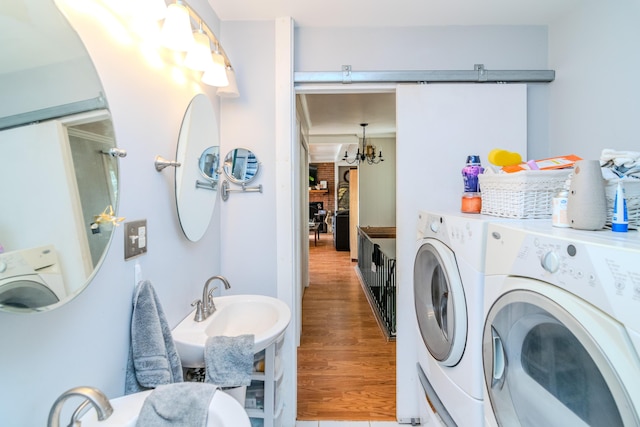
[620, 220]
[559, 215]
[470, 174]
[471, 200]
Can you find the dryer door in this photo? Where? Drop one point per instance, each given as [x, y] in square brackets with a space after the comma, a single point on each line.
[553, 360]
[439, 300]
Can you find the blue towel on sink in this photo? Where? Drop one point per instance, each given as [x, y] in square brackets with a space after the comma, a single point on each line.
[183, 404]
[153, 358]
[229, 360]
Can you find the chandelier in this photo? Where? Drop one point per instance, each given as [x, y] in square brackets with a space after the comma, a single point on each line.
[368, 153]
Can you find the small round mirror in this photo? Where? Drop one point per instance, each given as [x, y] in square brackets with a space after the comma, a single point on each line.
[241, 166]
[209, 163]
[195, 195]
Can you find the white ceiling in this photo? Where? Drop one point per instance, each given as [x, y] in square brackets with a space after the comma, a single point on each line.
[390, 13]
[335, 119]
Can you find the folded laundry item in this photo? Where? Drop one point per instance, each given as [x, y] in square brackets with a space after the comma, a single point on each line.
[153, 358]
[229, 360]
[181, 404]
[627, 159]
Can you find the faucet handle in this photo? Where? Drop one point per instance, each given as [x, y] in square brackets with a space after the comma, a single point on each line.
[199, 316]
[211, 292]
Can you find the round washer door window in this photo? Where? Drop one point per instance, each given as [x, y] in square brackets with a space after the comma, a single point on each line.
[543, 366]
[439, 300]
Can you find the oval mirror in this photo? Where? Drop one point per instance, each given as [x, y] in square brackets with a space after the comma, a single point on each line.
[198, 154]
[241, 166]
[61, 167]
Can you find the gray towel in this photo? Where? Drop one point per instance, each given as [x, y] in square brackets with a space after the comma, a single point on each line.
[153, 359]
[229, 360]
[175, 405]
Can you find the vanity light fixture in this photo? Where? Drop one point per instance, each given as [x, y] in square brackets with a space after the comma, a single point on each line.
[176, 30]
[231, 90]
[368, 153]
[177, 35]
[216, 75]
[199, 56]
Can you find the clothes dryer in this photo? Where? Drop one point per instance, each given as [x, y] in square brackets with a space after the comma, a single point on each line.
[562, 333]
[30, 279]
[448, 286]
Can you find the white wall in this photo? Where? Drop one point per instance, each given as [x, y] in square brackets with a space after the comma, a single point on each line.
[377, 187]
[594, 100]
[43, 83]
[248, 258]
[86, 341]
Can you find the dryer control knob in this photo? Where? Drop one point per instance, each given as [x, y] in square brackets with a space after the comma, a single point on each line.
[435, 226]
[550, 262]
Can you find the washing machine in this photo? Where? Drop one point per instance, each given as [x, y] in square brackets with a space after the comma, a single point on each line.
[30, 279]
[448, 284]
[561, 338]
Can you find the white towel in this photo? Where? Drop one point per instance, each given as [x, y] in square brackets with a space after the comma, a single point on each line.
[628, 159]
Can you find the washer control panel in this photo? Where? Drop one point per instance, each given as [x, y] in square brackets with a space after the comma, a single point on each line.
[14, 264]
[27, 261]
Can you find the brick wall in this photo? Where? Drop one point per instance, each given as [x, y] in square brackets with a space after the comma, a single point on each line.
[325, 173]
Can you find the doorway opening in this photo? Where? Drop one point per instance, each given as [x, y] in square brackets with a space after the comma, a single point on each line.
[346, 365]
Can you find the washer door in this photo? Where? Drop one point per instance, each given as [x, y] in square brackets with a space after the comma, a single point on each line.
[439, 300]
[21, 294]
[553, 360]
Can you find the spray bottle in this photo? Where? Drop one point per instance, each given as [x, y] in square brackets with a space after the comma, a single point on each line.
[620, 220]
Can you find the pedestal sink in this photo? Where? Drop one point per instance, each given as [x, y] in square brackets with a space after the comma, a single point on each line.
[264, 317]
[224, 411]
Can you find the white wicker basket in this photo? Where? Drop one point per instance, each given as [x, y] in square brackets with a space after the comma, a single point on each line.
[632, 194]
[525, 195]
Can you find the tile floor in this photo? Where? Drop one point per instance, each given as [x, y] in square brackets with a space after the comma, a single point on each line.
[348, 424]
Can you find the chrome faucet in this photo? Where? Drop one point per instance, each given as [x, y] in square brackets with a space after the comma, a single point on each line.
[93, 396]
[205, 307]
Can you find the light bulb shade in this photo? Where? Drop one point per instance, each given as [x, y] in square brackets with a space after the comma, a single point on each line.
[157, 9]
[217, 74]
[176, 30]
[199, 56]
[148, 9]
[231, 90]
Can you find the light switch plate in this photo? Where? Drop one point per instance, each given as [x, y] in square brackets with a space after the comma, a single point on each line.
[135, 238]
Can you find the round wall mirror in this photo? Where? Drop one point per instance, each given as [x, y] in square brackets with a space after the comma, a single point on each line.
[241, 166]
[61, 168]
[198, 154]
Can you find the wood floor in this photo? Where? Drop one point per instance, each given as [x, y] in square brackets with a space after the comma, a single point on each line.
[346, 367]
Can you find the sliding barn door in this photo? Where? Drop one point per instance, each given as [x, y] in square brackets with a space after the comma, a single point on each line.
[438, 125]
